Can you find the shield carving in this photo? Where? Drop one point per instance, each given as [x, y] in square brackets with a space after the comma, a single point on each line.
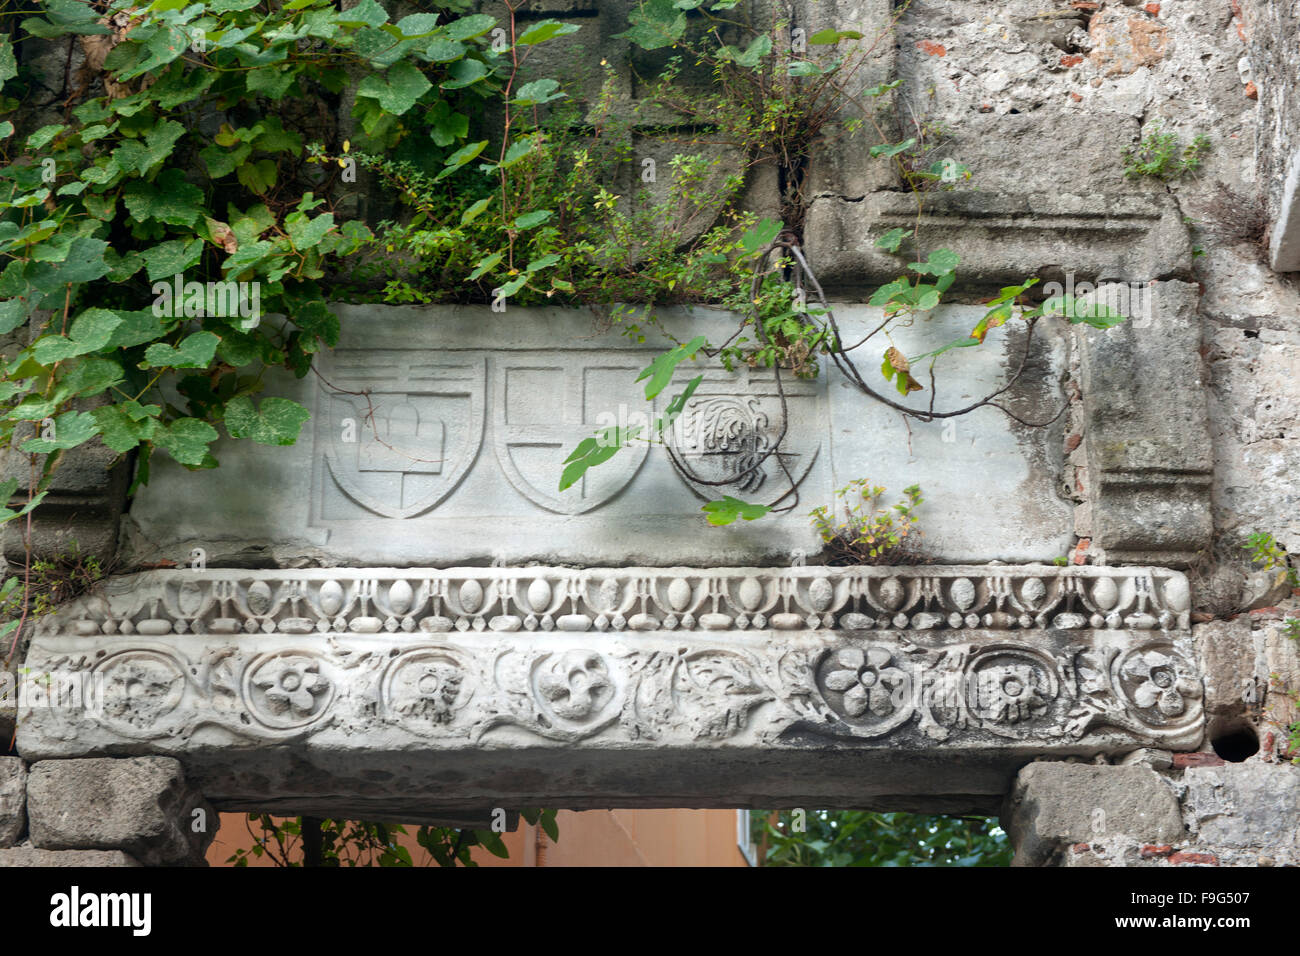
[403, 446]
[544, 405]
[722, 442]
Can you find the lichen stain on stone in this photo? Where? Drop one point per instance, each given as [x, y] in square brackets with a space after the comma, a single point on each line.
[1124, 43]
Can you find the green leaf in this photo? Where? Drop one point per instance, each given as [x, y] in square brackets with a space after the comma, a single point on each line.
[272, 81]
[728, 509]
[474, 211]
[134, 156]
[660, 370]
[89, 332]
[885, 149]
[171, 257]
[486, 265]
[168, 199]
[277, 422]
[891, 240]
[829, 36]
[492, 842]
[549, 825]
[305, 233]
[544, 30]
[124, 425]
[13, 313]
[442, 50]
[882, 89]
[655, 24]
[136, 328]
[92, 376]
[69, 430]
[84, 262]
[40, 138]
[518, 150]
[465, 73]
[749, 59]
[1079, 312]
[367, 13]
[939, 262]
[677, 405]
[545, 262]
[596, 451]
[538, 91]
[445, 127]
[530, 219]
[221, 161]
[459, 158]
[8, 65]
[474, 25]
[399, 89]
[186, 440]
[195, 351]
[761, 236]
[259, 176]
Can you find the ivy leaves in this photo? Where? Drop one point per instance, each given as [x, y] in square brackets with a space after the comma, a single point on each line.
[131, 169]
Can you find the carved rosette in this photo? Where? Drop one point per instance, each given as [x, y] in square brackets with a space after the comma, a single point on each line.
[139, 690]
[286, 690]
[426, 689]
[867, 688]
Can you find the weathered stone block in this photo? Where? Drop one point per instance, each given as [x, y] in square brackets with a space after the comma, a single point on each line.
[1002, 238]
[85, 500]
[1056, 805]
[13, 799]
[1147, 430]
[1284, 246]
[1251, 804]
[1227, 653]
[141, 805]
[33, 856]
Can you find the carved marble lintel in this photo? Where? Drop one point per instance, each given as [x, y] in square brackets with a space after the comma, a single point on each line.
[920, 658]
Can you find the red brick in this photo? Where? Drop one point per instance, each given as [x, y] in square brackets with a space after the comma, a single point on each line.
[1076, 97]
[1182, 859]
[1071, 59]
[1081, 551]
[1072, 442]
[1252, 91]
[1080, 848]
[1197, 760]
[1153, 850]
[932, 48]
[1153, 9]
[1201, 617]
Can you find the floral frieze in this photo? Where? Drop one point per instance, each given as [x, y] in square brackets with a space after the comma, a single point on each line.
[1055, 660]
